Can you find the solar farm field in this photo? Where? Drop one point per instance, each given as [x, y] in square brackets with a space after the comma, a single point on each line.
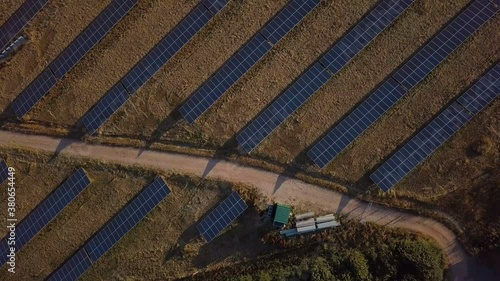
[166, 240]
[152, 115]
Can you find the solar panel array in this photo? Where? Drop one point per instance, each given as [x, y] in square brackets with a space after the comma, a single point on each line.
[410, 74]
[439, 130]
[316, 76]
[4, 171]
[222, 216]
[13, 26]
[154, 60]
[71, 55]
[113, 231]
[44, 213]
[245, 58]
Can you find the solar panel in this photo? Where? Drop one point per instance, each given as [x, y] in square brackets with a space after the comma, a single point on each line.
[4, 171]
[223, 79]
[279, 110]
[19, 20]
[44, 213]
[166, 49]
[422, 145]
[71, 55]
[443, 44]
[244, 59]
[102, 111]
[33, 93]
[88, 38]
[73, 268]
[312, 80]
[408, 76]
[221, 216]
[287, 19]
[132, 214]
[215, 6]
[356, 122]
[150, 64]
[363, 33]
[483, 92]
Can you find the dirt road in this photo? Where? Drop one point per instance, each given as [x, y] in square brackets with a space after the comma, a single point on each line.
[274, 186]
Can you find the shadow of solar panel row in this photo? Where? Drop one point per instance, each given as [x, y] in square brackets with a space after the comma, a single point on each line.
[151, 63]
[4, 171]
[113, 231]
[439, 130]
[245, 58]
[71, 55]
[421, 146]
[276, 113]
[45, 212]
[483, 92]
[17, 21]
[382, 99]
[94, 32]
[131, 215]
[315, 77]
[443, 44]
[73, 268]
[363, 33]
[222, 216]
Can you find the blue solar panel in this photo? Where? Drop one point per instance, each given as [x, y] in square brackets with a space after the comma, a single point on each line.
[287, 19]
[132, 214]
[243, 60]
[33, 93]
[19, 19]
[421, 146]
[101, 25]
[149, 65]
[408, 75]
[4, 171]
[312, 80]
[363, 33]
[286, 104]
[356, 122]
[73, 268]
[483, 92]
[443, 44]
[223, 79]
[215, 6]
[166, 49]
[44, 213]
[102, 111]
[222, 216]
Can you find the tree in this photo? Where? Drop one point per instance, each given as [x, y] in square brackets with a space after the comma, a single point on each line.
[320, 270]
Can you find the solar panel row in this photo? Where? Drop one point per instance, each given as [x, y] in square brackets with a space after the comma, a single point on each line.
[113, 231]
[4, 171]
[222, 216]
[71, 55]
[245, 58]
[151, 63]
[13, 26]
[130, 216]
[411, 73]
[315, 77]
[45, 212]
[438, 131]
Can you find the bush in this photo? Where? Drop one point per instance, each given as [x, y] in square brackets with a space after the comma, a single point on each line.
[320, 270]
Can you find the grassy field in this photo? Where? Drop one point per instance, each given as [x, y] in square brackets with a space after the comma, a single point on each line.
[454, 171]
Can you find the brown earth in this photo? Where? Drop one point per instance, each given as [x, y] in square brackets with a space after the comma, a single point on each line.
[451, 169]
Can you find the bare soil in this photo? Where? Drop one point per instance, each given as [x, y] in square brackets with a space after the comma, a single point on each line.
[452, 169]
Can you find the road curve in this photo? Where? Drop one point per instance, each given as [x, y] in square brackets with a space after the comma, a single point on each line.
[272, 185]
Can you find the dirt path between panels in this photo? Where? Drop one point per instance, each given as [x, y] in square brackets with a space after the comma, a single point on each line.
[272, 185]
